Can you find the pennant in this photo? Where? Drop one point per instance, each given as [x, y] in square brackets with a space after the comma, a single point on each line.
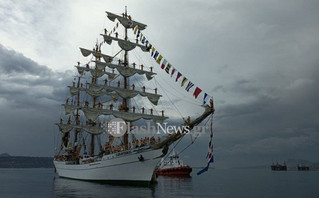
[206, 97]
[211, 160]
[173, 71]
[190, 85]
[210, 155]
[117, 24]
[156, 55]
[135, 30]
[143, 40]
[164, 63]
[197, 92]
[141, 36]
[202, 171]
[153, 50]
[178, 76]
[138, 34]
[146, 43]
[114, 29]
[184, 81]
[168, 67]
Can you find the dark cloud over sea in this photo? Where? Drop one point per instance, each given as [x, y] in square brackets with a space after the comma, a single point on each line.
[30, 95]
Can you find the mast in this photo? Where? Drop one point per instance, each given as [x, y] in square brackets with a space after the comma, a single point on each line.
[94, 104]
[77, 119]
[125, 101]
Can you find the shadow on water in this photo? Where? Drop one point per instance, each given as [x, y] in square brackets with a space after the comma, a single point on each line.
[64, 187]
[165, 186]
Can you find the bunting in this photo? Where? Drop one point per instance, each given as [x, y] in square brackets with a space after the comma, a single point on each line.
[153, 50]
[197, 92]
[178, 76]
[184, 81]
[113, 29]
[206, 97]
[209, 156]
[138, 34]
[156, 55]
[135, 30]
[159, 59]
[189, 86]
[164, 63]
[173, 71]
[168, 68]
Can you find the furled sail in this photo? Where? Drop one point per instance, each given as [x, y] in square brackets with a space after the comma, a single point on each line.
[90, 113]
[94, 113]
[125, 22]
[92, 92]
[127, 93]
[68, 109]
[125, 71]
[64, 128]
[73, 90]
[97, 54]
[98, 72]
[93, 130]
[124, 93]
[124, 45]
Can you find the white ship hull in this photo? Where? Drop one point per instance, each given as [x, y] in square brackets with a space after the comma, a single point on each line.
[123, 166]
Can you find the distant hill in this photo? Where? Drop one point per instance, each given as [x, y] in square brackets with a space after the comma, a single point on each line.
[7, 161]
[295, 162]
[4, 155]
[316, 166]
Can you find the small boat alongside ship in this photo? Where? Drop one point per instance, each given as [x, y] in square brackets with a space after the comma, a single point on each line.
[173, 166]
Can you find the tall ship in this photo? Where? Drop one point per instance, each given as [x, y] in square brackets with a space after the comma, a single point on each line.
[104, 90]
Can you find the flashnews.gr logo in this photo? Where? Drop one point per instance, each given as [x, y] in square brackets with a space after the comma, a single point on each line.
[117, 127]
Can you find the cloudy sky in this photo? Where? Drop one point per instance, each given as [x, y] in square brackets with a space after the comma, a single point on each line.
[259, 59]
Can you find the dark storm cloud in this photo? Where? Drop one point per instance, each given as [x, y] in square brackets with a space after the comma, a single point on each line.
[24, 82]
[30, 98]
[280, 123]
[259, 59]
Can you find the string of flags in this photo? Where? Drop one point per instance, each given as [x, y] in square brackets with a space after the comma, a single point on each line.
[113, 29]
[169, 69]
[210, 156]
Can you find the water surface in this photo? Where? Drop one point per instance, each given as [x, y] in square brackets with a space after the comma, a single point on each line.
[214, 183]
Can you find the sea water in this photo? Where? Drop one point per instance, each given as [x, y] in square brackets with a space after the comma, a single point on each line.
[214, 183]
